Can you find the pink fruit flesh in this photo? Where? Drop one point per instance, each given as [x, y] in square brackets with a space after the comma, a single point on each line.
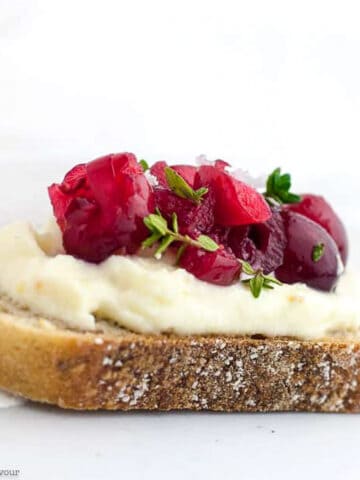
[299, 266]
[73, 186]
[219, 267]
[75, 178]
[236, 202]
[318, 209]
[158, 170]
[187, 172]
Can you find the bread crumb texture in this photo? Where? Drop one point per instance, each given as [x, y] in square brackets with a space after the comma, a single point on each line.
[126, 371]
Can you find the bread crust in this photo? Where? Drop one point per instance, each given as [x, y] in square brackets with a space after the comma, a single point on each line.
[90, 371]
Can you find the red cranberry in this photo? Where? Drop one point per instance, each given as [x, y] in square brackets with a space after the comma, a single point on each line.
[193, 219]
[220, 267]
[220, 235]
[236, 202]
[299, 265]
[73, 185]
[81, 236]
[241, 245]
[262, 245]
[318, 209]
[158, 170]
[100, 208]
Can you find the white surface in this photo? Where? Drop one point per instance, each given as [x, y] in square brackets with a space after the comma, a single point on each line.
[47, 443]
[8, 400]
[260, 84]
[256, 82]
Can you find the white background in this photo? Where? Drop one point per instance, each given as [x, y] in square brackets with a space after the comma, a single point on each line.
[258, 83]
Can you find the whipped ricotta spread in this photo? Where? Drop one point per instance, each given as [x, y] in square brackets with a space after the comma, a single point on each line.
[150, 296]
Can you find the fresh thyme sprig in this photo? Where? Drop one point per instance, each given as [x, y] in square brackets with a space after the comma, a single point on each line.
[161, 233]
[181, 188]
[278, 188]
[144, 164]
[258, 279]
[317, 252]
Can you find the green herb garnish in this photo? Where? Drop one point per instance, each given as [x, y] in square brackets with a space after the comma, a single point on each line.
[278, 188]
[317, 252]
[161, 233]
[181, 188]
[258, 280]
[144, 164]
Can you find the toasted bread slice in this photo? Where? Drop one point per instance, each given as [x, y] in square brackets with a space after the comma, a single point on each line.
[115, 369]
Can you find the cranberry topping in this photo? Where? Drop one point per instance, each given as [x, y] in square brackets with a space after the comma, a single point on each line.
[262, 245]
[236, 202]
[193, 219]
[220, 267]
[100, 208]
[318, 209]
[300, 264]
[74, 185]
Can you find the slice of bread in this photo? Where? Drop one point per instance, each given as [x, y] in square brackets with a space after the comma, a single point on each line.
[118, 370]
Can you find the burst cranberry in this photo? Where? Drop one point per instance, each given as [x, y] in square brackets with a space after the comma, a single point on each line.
[106, 174]
[75, 178]
[220, 267]
[318, 209]
[236, 202]
[262, 245]
[81, 236]
[241, 245]
[158, 170]
[300, 265]
[270, 240]
[193, 219]
[74, 184]
[100, 207]
[187, 172]
[220, 235]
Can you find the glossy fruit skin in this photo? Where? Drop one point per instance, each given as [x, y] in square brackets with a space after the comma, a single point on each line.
[262, 245]
[220, 267]
[236, 202]
[100, 207]
[320, 211]
[298, 265]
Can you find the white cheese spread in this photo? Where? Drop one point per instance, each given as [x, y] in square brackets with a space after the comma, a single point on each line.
[149, 296]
